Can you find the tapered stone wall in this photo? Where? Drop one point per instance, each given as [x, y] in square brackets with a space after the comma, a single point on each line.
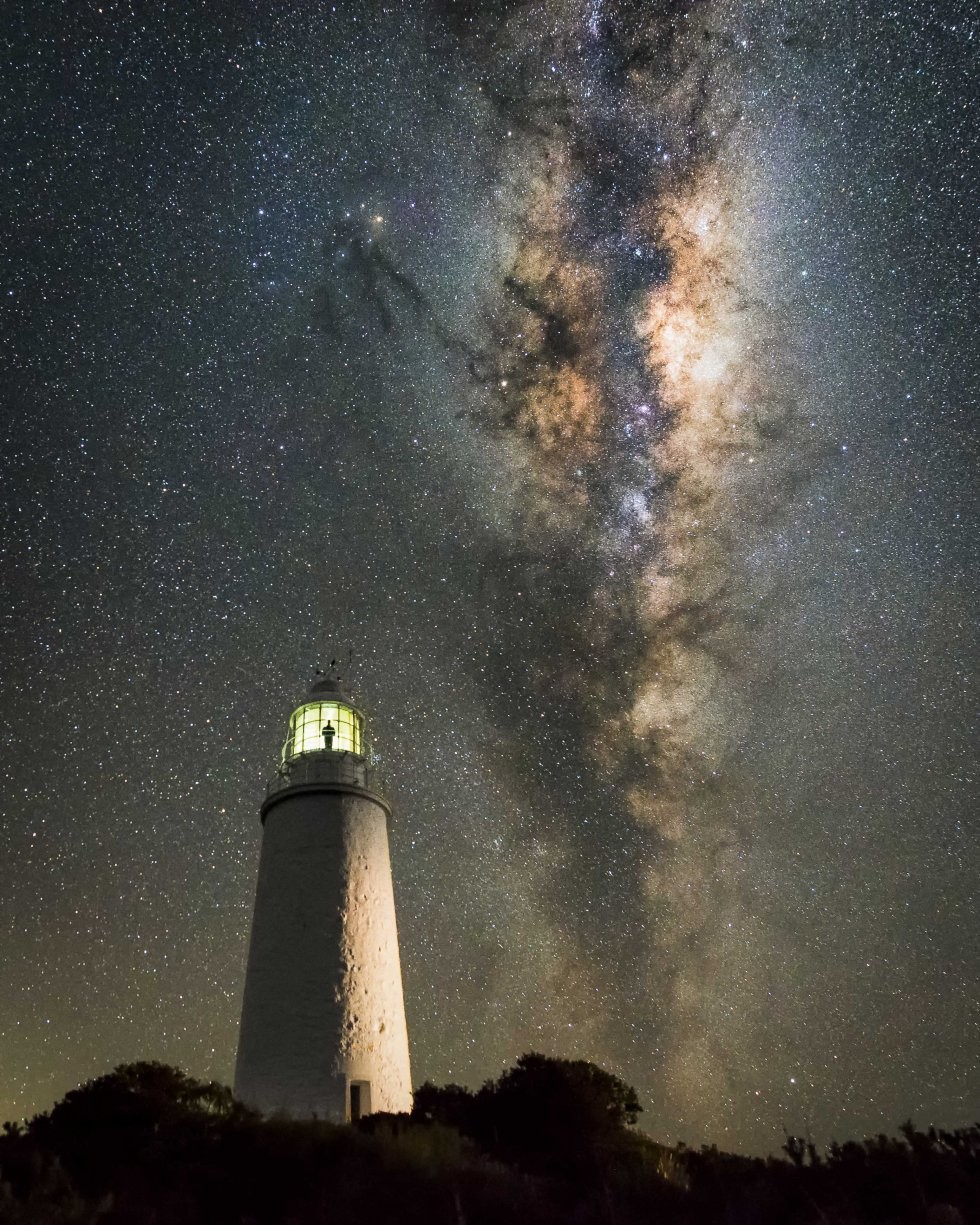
[323, 1003]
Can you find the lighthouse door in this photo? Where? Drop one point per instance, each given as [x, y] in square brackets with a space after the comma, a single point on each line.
[360, 1099]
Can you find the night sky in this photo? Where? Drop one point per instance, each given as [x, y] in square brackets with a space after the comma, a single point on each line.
[598, 382]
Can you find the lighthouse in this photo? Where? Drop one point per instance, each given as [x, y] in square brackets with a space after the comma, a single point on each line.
[323, 1030]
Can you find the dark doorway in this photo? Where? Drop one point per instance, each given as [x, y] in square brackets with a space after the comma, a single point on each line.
[360, 1099]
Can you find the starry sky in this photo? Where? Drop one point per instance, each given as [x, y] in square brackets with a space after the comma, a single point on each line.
[597, 380]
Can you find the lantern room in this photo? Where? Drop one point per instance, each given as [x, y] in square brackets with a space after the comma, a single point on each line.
[326, 722]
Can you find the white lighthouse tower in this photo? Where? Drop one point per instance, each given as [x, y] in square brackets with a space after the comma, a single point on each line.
[323, 1019]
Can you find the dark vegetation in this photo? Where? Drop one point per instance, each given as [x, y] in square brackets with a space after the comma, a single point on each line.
[550, 1141]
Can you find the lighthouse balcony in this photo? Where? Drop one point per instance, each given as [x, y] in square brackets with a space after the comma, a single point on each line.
[312, 769]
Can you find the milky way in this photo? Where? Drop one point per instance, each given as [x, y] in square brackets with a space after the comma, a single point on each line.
[600, 376]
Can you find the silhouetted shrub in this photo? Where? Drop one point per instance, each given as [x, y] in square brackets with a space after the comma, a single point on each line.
[450, 1105]
[548, 1116]
[553, 1116]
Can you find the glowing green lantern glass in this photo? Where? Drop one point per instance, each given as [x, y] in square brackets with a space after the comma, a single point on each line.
[316, 727]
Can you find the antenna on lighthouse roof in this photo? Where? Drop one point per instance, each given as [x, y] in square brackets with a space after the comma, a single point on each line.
[333, 670]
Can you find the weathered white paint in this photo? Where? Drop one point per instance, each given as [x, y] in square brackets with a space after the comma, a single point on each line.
[323, 999]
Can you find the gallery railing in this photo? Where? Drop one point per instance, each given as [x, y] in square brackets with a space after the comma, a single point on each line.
[326, 767]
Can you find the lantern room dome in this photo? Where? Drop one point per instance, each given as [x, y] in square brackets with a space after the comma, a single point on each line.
[328, 689]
